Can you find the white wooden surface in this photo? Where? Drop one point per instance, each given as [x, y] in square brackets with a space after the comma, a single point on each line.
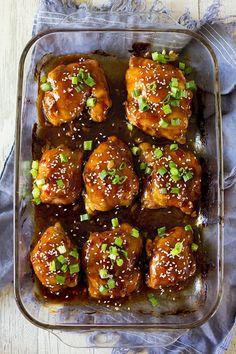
[17, 335]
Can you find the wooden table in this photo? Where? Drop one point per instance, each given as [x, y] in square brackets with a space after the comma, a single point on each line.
[17, 335]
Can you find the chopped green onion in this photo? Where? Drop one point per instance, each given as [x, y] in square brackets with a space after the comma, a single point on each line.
[63, 158]
[125, 253]
[187, 176]
[119, 179]
[89, 81]
[143, 105]
[183, 94]
[152, 86]
[74, 253]
[111, 283]
[115, 222]
[175, 103]
[194, 247]
[62, 259]
[129, 126]
[175, 92]
[60, 279]
[177, 249]
[166, 109]
[52, 266]
[176, 178]
[61, 249]
[153, 300]
[162, 171]
[119, 262]
[37, 201]
[181, 66]
[188, 70]
[174, 147]
[161, 58]
[188, 228]
[35, 165]
[104, 247]
[163, 123]
[191, 85]
[64, 268]
[175, 121]
[74, 80]
[118, 241]
[91, 102]
[174, 171]
[34, 173]
[36, 192]
[122, 179]
[60, 183]
[166, 99]
[175, 190]
[79, 88]
[103, 273]
[135, 150]
[122, 166]
[172, 164]
[161, 231]
[158, 153]
[148, 170]
[135, 233]
[103, 174]
[142, 166]
[136, 92]
[88, 145]
[43, 79]
[46, 87]
[74, 268]
[81, 75]
[174, 82]
[84, 217]
[103, 289]
[163, 190]
[111, 171]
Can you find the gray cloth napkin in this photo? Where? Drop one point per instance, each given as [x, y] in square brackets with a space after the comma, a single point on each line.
[214, 336]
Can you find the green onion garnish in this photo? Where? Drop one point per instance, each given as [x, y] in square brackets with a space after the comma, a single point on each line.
[175, 190]
[162, 171]
[118, 241]
[175, 92]
[119, 262]
[135, 150]
[163, 190]
[62, 259]
[125, 253]
[91, 102]
[188, 70]
[135, 233]
[163, 123]
[103, 289]
[74, 268]
[148, 170]
[63, 158]
[104, 247]
[153, 300]
[103, 174]
[194, 247]
[84, 217]
[152, 86]
[143, 105]
[183, 94]
[136, 92]
[46, 87]
[111, 171]
[88, 145]
[103, 273]
[177, 249]
[191, 85]
[81, 75]
[74, 253]
[174, 147]
[175, 121]
[187, 176]
[174, 171]
[111, 283]
[115, 222]
[161, 231]
[60, 279]
[161, 58]
[181, 66]
[142, 166]
[52, 266]
[61, 249]
[122, 166]
[43, 79]
[79, 88]
[188, 228]
[35, 165]
[175, 103]
[174, 82]
[89, 81]
[74, 80]
[34, 173]
[172, 164]
[166, 109]
[36, 192]
[60, 183]
[64, 268]
[129, 126]
[158, 153]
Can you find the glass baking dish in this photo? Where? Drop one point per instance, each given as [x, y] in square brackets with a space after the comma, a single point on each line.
[193, 305]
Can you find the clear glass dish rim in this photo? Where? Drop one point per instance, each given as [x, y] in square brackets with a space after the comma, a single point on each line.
[220, 205]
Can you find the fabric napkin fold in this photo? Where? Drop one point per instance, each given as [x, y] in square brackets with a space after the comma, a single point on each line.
[214, 336]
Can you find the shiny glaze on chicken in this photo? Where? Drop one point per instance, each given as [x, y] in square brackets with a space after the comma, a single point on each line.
[175, 178]
[60, 175]
[110, 260]
[150, 81]
[55, 260]
[71, 86]
[171, 258]
[109, 177]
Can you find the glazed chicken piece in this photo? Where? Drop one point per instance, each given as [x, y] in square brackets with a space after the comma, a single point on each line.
[73, 87]
[158, 102]
[174, 179]
[59, 178]
[109, 177]
[55, 260]
[110, 260]
[171, 258]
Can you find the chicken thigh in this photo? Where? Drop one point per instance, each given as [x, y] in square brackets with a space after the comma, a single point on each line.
[73, 87]
[109, 177]
[158, 102]
[110, 260]
[58, 179]
[55, 260]
[174, 179]
[171, 258]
